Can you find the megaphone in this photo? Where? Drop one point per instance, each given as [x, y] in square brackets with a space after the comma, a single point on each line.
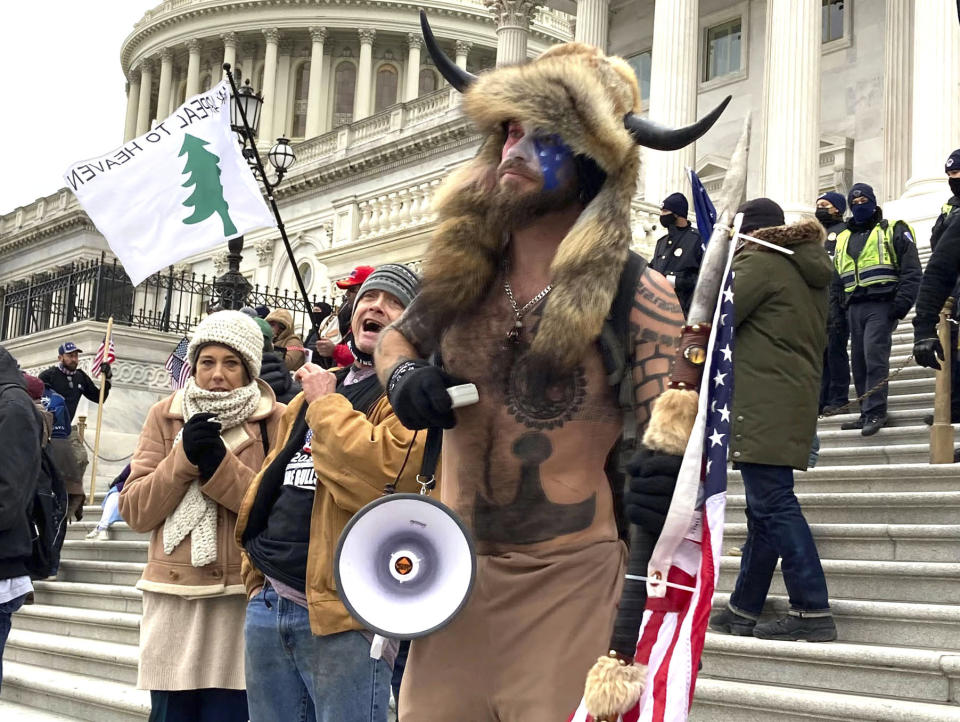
[405, 565]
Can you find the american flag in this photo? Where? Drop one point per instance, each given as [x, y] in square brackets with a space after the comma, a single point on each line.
[98, 359]
[177, 365]
[675, 624]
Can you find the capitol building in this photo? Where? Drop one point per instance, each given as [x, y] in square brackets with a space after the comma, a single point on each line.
[838, 91]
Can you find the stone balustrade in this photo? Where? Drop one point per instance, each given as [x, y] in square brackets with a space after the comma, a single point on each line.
[396, 210]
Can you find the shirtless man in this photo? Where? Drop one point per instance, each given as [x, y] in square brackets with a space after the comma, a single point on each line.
[533, 236]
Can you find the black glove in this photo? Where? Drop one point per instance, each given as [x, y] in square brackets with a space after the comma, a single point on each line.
[653, 477]
[418, 395]
[202, 443]
[106, 370]
[926, 351]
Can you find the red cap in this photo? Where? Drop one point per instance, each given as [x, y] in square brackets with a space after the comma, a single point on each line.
[356, 278]
[34, 386]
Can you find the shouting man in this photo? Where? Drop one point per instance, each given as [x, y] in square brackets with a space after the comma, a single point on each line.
[519, 280]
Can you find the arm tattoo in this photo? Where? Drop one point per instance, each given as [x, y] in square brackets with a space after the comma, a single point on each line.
[655, 322]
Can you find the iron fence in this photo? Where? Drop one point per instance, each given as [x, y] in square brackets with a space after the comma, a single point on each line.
[100, 288]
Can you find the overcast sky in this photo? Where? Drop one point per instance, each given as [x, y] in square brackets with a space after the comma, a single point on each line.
[63, 86]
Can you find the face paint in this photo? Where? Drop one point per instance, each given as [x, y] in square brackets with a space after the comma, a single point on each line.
[554, 157]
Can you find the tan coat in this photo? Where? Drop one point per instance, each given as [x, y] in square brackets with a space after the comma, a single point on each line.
[355, 457]
[288, 339]
[159, 477]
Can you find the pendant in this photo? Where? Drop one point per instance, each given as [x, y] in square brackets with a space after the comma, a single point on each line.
[513, 336]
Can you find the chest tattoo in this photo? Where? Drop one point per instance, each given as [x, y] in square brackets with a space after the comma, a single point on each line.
[530, 517]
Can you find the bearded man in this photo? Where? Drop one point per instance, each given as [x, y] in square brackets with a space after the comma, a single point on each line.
[533, 236]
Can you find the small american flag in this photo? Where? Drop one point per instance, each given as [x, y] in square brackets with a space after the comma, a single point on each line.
[98, 359]
[178, 366]
[675, 624]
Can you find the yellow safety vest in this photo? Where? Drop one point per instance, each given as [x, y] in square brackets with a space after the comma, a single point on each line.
[877, 262]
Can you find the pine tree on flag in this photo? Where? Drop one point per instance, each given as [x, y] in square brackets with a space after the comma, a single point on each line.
[207, 197]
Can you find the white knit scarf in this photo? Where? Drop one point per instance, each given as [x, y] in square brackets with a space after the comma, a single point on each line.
[196, 514]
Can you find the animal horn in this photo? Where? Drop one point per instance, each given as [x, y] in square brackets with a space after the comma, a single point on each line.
[659, 137]
[455, 75]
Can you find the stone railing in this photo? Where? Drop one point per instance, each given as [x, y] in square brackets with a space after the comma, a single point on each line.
[396, 210]
[553, 22]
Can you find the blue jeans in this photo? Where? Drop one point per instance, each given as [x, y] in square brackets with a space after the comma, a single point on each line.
[296, 676]
[6, 611]
[776, 528]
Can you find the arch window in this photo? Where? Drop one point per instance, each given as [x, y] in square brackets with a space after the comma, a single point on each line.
[344, 87]
[300, 100]
[386, 87]
[428, 81]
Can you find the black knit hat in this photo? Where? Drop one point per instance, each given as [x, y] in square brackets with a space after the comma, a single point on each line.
[953, 162]
[676, 203]
[394, 278]
[760, 213]
[861, 189]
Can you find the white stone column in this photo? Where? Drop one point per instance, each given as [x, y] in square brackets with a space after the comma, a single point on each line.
[936, 95]
[513, 25]
[315, 87]
[265, 134]
[411, 88]
[463, 51]
[361, 102]
[593, 20]
[897, 59]
[247, 60]
[229, 56]
[146, 89]
[673, 94]
[193, 67]
[166, 80]
[133, 101]
[792, 114]
[281, 101]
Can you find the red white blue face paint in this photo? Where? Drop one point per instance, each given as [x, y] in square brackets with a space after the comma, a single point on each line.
[555, 159]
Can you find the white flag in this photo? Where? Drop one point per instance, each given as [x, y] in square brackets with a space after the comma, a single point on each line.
[180, 189]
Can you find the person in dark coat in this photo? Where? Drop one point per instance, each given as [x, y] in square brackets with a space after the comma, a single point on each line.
[879, 275]
[835, 386]
[940, 280]
[22, 432]
[679, 253]
[71, 382]
[780, 302]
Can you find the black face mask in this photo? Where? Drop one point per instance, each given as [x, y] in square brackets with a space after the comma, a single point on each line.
[954, 186]
[668, 219]
[826, 217]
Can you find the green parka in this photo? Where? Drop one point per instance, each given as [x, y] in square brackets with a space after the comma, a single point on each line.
[780, 303]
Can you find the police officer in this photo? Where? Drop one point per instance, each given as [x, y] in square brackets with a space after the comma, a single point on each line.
[939, 278]
[679, 253]
[836, 363]
[879, 272]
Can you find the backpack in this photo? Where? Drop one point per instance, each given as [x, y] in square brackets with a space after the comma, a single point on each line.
[46, 512]
[616, 351]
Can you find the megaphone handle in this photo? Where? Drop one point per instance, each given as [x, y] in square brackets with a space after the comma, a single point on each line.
[431, 456]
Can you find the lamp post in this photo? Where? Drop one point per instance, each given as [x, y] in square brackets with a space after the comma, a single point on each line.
[232, 287]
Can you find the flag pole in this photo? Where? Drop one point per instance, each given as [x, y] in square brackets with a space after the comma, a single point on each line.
[273, 203]
[103, 386]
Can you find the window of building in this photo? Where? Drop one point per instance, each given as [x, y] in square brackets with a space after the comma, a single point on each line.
[306, 273]
[386, 88]
[832, 19]
[641, 66]
[722, 46]
[428, 81]
[300, 100]
[344, 87]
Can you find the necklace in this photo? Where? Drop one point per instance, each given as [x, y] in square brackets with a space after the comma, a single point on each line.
[513, 336]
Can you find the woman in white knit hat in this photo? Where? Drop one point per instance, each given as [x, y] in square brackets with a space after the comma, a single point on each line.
[197, 454]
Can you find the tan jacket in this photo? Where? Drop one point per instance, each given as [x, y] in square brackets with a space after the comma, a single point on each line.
[288, 339]
[159, 477]
[355, 457]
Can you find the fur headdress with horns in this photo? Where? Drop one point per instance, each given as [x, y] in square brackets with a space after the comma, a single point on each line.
[592, 102]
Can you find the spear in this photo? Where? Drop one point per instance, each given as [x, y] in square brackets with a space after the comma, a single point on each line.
[616, 681]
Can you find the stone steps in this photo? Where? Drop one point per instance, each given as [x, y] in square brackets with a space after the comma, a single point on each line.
[22, 713]
[76, 696]
[103, 660]
[931, 507]
[896, 672]
[869, 478]
[114, 551]
[118, 532]
[929, 626]
[119, 627]
[880, 542]
[915, 582]
[102, 597]
[100, 572]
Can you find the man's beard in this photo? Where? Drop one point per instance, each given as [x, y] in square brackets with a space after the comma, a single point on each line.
[511, 209]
